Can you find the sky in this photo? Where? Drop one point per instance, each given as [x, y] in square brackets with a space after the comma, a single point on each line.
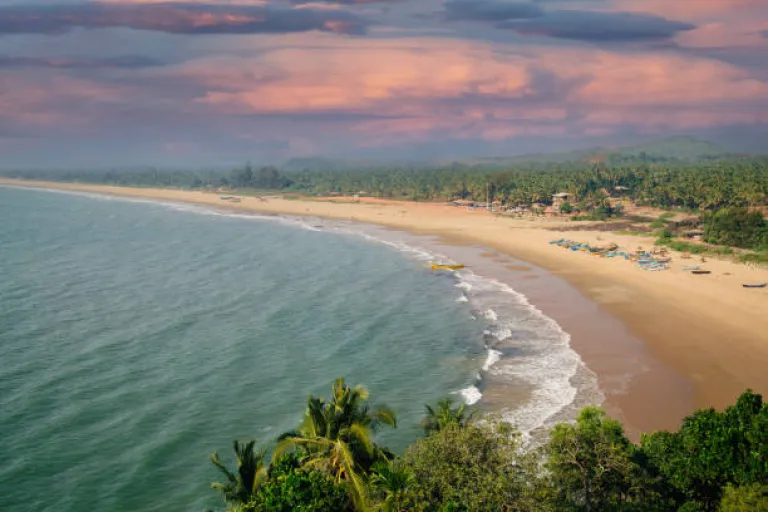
[219, 82]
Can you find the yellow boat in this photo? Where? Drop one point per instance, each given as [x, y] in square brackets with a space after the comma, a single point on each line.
[436, 266]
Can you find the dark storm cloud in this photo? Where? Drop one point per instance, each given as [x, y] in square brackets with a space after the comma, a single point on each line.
[176, 19]
[125, 62]
[490, 10]
[594, 26]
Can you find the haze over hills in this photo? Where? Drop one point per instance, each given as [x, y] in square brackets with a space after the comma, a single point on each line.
[678, 148]
[672, 149]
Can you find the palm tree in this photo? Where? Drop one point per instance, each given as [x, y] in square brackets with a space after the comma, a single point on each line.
[445, 414]
[251, 471]
[391, 479]
[337, 436]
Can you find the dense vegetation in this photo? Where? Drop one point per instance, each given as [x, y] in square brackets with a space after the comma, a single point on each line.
[705, 186]
[716, 461]
[730, 193]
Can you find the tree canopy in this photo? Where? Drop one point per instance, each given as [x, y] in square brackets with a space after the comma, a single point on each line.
[716, 461]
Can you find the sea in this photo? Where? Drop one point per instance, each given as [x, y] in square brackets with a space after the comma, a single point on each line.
[139, 337]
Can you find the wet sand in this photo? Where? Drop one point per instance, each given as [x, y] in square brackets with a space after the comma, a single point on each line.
[661, 343]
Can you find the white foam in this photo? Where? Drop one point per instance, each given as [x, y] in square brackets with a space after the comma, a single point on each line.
[502, 334]
[493, 357]
[463, 298]
[464, 286]
[471, 395]
[546, 361]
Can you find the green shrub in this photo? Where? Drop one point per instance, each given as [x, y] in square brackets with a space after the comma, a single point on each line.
[289, 488]
[736, 227]
[748, 498]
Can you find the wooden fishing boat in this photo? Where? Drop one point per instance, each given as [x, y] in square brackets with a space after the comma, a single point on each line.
[701, 272]
[691, 268]
[663, 260]
[761, 285]
[437, 266]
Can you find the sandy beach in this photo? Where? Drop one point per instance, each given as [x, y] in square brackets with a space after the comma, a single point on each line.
[709, 330]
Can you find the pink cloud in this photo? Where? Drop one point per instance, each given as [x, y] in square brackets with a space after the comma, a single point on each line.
[357, 75]
[656, 79]
[417, 87]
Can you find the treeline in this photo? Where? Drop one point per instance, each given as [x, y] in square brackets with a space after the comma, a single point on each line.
[707, 186]
[717, 461]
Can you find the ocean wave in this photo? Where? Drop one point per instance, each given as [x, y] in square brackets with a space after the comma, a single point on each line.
[493, 357]
[471, 395]
[543, 357]
[463, 298]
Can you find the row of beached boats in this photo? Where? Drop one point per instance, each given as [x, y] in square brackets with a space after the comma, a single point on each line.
[645, 260]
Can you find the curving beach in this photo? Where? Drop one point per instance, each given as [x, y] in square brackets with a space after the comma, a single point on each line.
[701, 339]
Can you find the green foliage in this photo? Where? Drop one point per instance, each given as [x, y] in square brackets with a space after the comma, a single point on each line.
[737, 227]
[758, 258]
[566, 208]
[748, 498]
[336, 436]
[708, 186]
[290, 488]
[390, 481]
[475, 467]
[593, 466]
[445, 414]
[242, 483]
[713, 449]
[716, 461]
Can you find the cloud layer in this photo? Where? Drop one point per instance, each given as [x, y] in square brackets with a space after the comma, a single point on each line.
[205, 81]
[176, 18]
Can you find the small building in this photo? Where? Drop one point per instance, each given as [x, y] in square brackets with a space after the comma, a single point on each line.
[560, 199]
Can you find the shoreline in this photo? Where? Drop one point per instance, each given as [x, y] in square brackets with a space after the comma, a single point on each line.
[706, 332]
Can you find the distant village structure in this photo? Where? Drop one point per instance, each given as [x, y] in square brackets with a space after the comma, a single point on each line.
[560, 199]
[617, 197]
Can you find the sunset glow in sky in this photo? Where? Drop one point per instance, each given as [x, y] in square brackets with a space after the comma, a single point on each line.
[201, 82]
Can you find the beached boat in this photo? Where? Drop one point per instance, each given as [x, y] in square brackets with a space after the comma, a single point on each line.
[701, 272]
[761, 285]
[437, 266]
[691, 268]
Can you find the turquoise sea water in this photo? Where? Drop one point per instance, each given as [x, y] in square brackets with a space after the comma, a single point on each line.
[137, 338]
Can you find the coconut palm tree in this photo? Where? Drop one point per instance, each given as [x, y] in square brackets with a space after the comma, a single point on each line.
[250, 473]
[337, 436]
[391, 479]
[445, 414]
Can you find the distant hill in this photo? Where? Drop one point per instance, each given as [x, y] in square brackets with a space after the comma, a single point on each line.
[679, 148]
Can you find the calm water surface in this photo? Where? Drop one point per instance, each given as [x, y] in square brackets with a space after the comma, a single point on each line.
[137, 338]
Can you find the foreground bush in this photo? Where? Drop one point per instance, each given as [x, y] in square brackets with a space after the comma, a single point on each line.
[717, 461]
[477, 467]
